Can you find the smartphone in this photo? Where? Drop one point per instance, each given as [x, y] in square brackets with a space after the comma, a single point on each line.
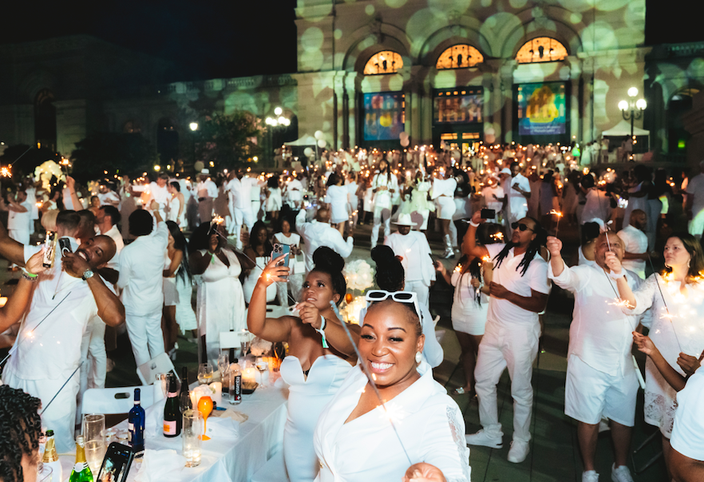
[282, 250]
[116, 464]
[64, 246]
[50, 247]
[488, 213]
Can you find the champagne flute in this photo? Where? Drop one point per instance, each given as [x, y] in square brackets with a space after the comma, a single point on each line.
[205, 407]
[205, 373]
[223, 363]
[94, 433]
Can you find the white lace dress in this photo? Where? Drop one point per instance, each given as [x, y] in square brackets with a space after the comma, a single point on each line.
[428, 421]
[685, 333]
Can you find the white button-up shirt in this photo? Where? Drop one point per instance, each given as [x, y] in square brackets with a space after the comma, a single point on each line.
[414, 249]
[141, 272]
[317, 234]
[600, 333]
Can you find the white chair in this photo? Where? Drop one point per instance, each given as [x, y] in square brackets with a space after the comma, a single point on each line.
[159, 364]
[115, 400]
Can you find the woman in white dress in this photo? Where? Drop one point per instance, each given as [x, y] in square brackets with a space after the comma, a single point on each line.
[320, 353]
[259, 251]
[352, 199]
[176, 210]
[295, 280]
[220, 305]
[338, 200]
[354, 439]
[470, 303]
[677, 330]
[274, 200]
[178, 274]
[443, 193]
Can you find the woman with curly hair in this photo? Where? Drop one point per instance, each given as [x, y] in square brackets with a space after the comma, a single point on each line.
[20, 430]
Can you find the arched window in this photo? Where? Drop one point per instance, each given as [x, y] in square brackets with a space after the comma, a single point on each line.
[385, 62]
[541, 49]
[459, 57]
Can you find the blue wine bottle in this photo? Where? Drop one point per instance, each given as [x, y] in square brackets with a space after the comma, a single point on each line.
[135, 422]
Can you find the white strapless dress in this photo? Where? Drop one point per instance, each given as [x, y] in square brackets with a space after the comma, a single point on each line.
[306, 400]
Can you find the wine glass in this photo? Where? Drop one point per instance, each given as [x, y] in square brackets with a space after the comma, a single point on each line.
[223, 363]
[205, 407]
[261, 365]
[205, 373]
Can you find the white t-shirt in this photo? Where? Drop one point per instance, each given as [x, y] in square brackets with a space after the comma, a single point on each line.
[635, 241]
[20, 221]
[688, 432]
[491, 202]
[504, 312]
[515, 198]
[292, 240]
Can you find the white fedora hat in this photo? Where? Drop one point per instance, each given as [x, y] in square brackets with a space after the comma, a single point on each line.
[404, 220]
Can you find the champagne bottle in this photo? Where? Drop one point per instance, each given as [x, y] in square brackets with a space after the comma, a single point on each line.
[172, 412]
[50, 457]
[235, 383]
[184, 397]
[81, 471]
[135, 421]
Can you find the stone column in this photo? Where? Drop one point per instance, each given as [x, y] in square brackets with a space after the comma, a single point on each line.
[575, 118]
[506, 84]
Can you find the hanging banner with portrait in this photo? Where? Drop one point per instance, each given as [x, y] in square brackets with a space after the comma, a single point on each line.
[384, 116]
[541, 109]
[458, 106]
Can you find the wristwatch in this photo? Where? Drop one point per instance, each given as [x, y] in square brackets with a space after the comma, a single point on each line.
[87, 274]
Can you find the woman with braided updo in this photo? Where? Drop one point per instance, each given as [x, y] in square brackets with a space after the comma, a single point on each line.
[20, 430]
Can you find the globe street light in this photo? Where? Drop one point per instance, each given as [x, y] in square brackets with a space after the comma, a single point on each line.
[193, 126]
[632, 109]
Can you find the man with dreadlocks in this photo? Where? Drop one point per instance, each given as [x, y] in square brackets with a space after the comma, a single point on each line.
[20, 430]
[519, 291]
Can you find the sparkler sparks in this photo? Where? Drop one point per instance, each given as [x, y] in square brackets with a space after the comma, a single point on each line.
[554, 212]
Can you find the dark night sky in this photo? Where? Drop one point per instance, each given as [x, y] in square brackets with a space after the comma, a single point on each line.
[230, 38]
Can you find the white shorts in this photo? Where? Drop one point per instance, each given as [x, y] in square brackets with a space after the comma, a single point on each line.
[591, 394]
[446, 207]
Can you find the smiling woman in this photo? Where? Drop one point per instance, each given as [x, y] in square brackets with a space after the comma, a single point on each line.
[320, 352]
[419, 430]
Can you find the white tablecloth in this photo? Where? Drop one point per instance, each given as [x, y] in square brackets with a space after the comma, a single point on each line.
[260, 437]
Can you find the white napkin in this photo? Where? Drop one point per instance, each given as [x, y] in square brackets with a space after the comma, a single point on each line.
[154, 423]
[156, 464]
[222, 428]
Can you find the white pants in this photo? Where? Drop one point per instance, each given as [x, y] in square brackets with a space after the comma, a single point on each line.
[60, 416]
[381, 215]
[421, 290]
[242, 216]
[94, 360]
[145, 335]
[514, 348]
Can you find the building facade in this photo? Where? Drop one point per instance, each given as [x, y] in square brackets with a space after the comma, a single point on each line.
[386, 73]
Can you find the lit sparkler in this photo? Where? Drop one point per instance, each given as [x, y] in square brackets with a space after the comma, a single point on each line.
[559, 215]
[6, 171]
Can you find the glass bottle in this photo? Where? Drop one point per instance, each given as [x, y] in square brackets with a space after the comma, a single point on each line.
[81, 471]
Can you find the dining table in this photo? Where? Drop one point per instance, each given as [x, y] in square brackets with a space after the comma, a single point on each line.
[234, 453]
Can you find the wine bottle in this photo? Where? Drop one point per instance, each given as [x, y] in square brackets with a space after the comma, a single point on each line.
[184, 397]
[81, 471]
[172, 411]
[51, 458]
[235, 383]
[135, 421]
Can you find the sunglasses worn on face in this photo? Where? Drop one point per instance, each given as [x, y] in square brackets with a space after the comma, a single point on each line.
[409, 297]
[521, 226]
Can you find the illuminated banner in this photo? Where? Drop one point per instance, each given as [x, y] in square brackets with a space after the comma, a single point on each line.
[458, 106]
[541, 109]
[384, 116]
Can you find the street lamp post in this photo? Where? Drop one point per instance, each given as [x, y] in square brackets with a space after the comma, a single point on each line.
[194, 127]
[632, 110]
[279, 121]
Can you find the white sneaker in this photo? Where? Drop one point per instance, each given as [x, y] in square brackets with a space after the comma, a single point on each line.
[590, 476]
[519, 451]
[620, 474]
[484, 439]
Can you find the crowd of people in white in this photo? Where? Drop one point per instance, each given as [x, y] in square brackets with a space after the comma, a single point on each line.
[126, 259]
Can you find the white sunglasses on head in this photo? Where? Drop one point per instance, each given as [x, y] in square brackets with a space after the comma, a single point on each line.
[408, 297]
